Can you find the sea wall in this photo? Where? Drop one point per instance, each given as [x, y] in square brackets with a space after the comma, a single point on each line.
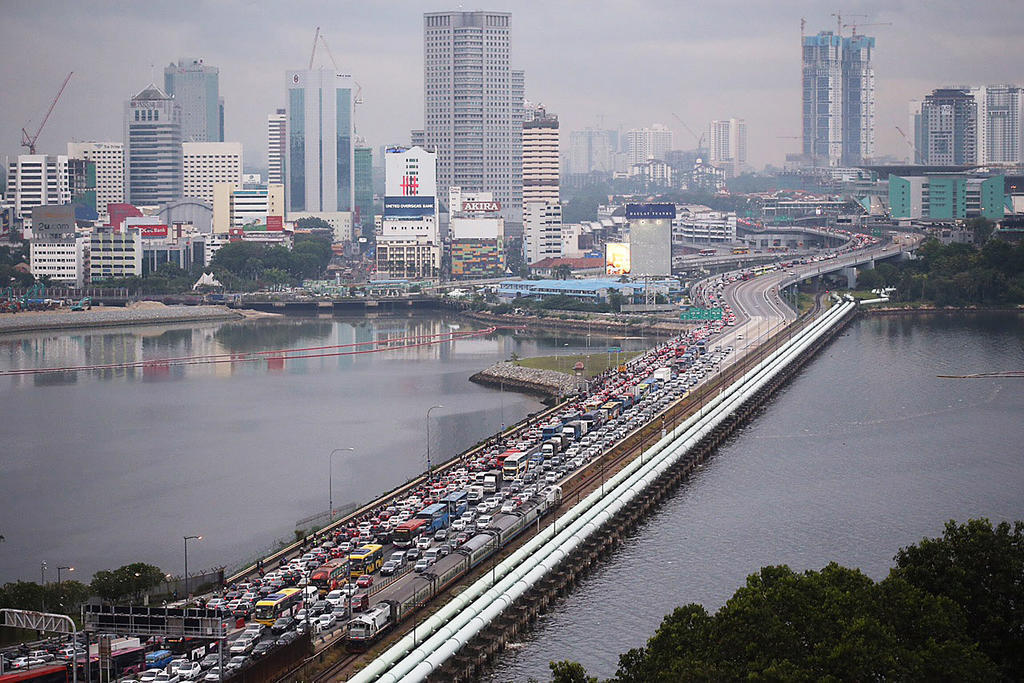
[529, 380]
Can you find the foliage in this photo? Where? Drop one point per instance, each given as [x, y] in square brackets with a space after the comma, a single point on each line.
[128, 581]
[569, 672]
[63, 598]
[312, 223]
[981, 569]
[273, 265]
[583, 205]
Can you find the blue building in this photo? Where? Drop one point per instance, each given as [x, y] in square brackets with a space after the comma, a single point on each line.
[195, 87]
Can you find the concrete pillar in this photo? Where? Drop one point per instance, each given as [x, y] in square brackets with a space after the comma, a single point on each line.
[851, 277]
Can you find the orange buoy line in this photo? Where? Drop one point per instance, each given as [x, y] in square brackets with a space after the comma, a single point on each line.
[277, 354]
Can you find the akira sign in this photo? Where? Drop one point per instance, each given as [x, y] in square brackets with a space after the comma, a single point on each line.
[489, 207]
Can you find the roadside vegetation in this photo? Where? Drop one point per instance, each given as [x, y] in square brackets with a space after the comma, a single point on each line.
[593, 363]
[949, 610]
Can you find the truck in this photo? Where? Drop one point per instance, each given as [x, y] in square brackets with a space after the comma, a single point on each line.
[663, 374]
[574, 430]
[552, 446]
[492, 481]
[550, 429]
[474, 494]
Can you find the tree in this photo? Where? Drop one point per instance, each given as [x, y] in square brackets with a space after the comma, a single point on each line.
[981, 569]
[312, 223]
[130, 580]
[569, 672]
[563, 271]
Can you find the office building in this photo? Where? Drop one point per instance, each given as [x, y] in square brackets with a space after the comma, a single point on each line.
[838, 99]
[699, 224]
[56, 250]
[234, 207]
[109, 160]
[643, 144]
[473, 105]
[591, 151]
[39, 180]
[82, 186]
[115, 253]
[152, 135]
[541, 160]
[320, 162]
[727, 145]
[542, 231]
[363, 179]
[276, 148]
[1000, 135]
[204, 164]
[949, 128]
[946, 197]
[409, 242]
[195, 88]
[477, 247]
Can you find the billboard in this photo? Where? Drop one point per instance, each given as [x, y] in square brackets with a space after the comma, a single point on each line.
[275, 222]
[650, 246]
[487, 207]
[650, 211]
[408, 207]
[616, 258]
[53, 221]
[153, 230]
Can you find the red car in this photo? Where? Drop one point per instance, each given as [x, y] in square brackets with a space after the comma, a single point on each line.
[364, 581]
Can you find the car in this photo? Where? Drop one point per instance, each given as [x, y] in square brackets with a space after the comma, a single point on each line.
[214, 674]
[335, 597]
[209, 660]
[166, 677]
[287, 638]
[283, 623]
[175, 665]
[302, 614]
[242, 646]
[148, 676]
[423, 542]
[458, 525]
[263, 647]
[254, 630]
[422, 565]
[444, 549]
[190, 671]
[509, 506]
[365, 581]
[326, 622]
[388, 568]
[319, 607]
[25, 662]
[462, 538]
[413, 554]
[235, 663]
[484, 521]
[441, 535]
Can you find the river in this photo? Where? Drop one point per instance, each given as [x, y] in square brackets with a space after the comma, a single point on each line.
[100, 468]
[866, 451]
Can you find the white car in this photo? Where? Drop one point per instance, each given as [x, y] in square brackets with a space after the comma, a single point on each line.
[509, 507]
[164, 677]
[325, 622]
[335, 598]
[190, 671]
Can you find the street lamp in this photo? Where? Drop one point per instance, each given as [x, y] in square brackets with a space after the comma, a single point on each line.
[70, 569]
[330, 479]
[42, 573]
[428, 439]
[187, 539]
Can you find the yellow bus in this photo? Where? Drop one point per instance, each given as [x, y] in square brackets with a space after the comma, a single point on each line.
[366, 560]
[284, 601]
[741, 250]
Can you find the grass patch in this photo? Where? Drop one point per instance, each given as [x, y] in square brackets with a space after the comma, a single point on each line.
[594, 363]
[805, 302]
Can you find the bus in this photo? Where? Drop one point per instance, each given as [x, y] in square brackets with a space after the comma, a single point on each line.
[158, 659]
[515, 466]
[436, 516]
[407, 532]
[366, 560]
[741, 250]
[330, 575]
[707, 252]
[284, 601]
[457, 503]
[46, 673]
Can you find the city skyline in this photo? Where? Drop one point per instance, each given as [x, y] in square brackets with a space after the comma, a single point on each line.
[698, 66]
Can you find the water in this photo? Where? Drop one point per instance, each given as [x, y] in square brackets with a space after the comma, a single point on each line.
[107, 467]
[866, 451]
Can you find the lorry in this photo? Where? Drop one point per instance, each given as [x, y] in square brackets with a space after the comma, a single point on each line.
[474, 494]
[663, 374]
[492, 481]
[552, 446]
[574, 430]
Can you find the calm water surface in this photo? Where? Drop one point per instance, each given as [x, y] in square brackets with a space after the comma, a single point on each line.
[106, 467]
[864, 452]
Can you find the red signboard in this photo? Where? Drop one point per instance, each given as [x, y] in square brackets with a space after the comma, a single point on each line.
[489, 207]
[153, 230]
[275, 222]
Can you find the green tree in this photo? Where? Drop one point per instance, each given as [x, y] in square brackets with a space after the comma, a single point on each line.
[128, 581]
[569, 672]
[981, 569]
[312, 223]
[563, 272]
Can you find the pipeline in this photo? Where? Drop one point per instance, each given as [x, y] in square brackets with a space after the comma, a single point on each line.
[464, 616]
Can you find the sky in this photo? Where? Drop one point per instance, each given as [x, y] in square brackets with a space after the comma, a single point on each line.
[600, 63]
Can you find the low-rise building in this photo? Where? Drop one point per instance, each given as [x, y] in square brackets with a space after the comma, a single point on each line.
[115, 253]
[946, 197]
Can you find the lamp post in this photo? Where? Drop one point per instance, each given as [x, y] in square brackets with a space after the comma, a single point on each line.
[330, 480]
[187, 539]
[428, 439]
[70, 569]
[42, 573]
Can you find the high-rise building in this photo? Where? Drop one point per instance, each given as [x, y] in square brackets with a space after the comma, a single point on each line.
[727, 144]
[363, 178]
[1000, 134]
[276, 147]
[540, 157]
[822, 99]
[320, 161]
[643, 144]
[542, 231]
[40, 180]
[109, 160]
[204, 164]
[234, 207]
[949, 128]
[858, 100]
[473, 105]
[409, 243]
[195, 87]
[152, 137]
[591, 151]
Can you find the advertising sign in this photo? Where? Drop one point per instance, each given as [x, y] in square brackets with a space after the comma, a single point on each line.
[53, 221]
[275, 222]
[153, 230]
[650, 210]
[408, 207]
[650, 246]
[488, 207]
[616, 258]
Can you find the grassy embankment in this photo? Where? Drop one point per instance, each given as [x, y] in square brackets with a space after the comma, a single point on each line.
[593, 363]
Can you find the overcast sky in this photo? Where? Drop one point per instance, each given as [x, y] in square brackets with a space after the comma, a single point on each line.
[595, 63]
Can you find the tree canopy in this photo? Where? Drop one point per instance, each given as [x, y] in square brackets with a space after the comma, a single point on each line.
[128, 581]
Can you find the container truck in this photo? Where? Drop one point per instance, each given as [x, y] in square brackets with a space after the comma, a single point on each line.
[492, 481]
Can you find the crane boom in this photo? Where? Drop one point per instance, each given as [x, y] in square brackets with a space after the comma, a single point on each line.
[30, 140]
[699, 139]
[316, 36]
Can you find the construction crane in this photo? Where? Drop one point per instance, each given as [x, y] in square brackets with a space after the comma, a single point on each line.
[319, 37]
[30, 140]
[913, 149]
[700, 139]
[855, 25]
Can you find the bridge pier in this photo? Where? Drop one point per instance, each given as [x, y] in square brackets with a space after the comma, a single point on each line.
[851, 277]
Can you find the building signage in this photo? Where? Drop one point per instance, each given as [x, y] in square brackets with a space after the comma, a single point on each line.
[408, 207]
[275, 223]
[702, 314]
[488, 207]
[617, 258]
[53, 221]
[650, 210]
[153, 230]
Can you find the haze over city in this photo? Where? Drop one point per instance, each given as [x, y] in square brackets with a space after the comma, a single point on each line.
[596, 64]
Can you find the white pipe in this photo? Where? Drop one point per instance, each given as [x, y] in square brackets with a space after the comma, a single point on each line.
[444, 626]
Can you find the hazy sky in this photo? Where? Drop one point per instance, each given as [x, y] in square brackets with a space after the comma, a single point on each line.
[593, 63]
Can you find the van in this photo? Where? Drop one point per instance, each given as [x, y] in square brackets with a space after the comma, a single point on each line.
[399, 558]
[430, 555]
[360, 602]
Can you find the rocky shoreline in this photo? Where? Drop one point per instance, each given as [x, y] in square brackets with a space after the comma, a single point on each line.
[144, 313]
[547, 383]
[921, 310]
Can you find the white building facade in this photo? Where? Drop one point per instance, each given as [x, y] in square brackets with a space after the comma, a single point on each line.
[234, 207]
[727, 145]
[276, 147]
[39, 179]
[541, 162]
[643, 144]
[204, 164]
[542, 231]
